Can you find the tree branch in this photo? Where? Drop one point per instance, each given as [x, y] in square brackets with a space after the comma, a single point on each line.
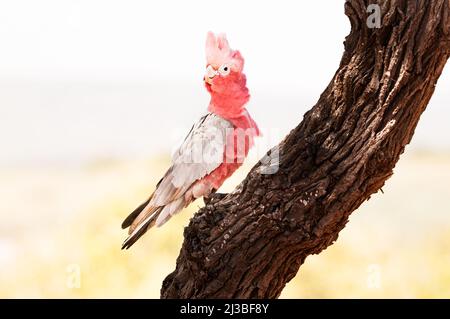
[250, 243]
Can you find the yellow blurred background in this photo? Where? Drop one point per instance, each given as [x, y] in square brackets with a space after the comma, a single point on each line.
[62, 235]
[94, 95]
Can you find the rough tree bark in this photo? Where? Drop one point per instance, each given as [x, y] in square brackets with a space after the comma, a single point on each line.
[249, 243]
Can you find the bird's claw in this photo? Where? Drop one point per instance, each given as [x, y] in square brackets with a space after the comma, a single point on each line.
[213, 197]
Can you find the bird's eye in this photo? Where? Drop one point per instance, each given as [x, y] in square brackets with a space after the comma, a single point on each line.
[224, 70]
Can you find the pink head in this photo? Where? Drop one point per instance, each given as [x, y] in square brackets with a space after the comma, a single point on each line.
[224, 79]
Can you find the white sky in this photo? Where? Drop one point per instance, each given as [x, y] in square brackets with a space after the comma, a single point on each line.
[107, 39]
[72, 72]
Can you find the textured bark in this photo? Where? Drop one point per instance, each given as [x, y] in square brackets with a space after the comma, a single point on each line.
[249, 243]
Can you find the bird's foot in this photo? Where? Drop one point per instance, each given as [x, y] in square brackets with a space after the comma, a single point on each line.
[213, 197]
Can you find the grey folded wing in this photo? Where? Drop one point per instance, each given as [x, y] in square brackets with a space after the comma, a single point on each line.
[201, 152]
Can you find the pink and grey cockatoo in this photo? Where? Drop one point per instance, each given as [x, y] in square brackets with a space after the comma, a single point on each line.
[213, 149]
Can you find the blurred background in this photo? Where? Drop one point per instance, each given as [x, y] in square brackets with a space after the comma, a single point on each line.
[94, 95]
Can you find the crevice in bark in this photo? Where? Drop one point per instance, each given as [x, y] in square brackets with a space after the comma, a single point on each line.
[249, 243]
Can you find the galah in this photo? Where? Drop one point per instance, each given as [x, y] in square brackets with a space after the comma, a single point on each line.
[214, 148]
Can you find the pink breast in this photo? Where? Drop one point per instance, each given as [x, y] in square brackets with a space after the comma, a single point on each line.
[238, 143]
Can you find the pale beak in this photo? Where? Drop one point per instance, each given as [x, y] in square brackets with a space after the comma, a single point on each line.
[209, 79]
[210, 74]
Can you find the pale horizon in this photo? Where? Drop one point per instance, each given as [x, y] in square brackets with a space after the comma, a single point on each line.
[82, 80]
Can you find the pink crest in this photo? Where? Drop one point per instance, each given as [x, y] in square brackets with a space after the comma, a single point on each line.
[218, 52]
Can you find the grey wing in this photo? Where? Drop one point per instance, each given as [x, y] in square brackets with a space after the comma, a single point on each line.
[200, 153]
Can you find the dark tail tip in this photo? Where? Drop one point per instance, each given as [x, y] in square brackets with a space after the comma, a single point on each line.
[133, 238]
[129, 220]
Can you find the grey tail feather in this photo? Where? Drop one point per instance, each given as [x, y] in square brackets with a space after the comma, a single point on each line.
[142, 230]
[129, 220]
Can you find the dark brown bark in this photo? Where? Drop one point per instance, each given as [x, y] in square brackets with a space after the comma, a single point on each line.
[251, 242]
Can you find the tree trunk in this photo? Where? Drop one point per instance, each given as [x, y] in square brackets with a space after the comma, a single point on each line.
[250, 243]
